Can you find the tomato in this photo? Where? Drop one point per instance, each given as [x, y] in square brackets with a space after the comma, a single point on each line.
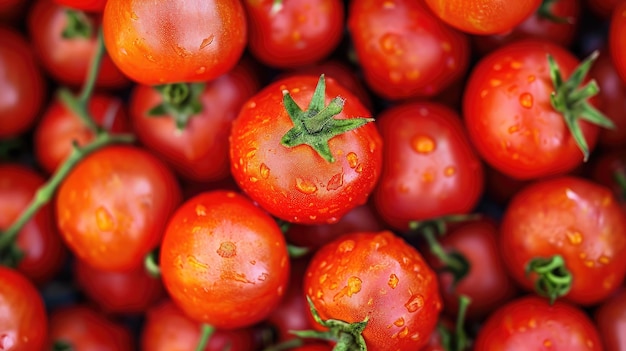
[84, 5]
[380, 277]
[617, 43]
[603, 8]
[404, 50]
[174, 41]
[500, 187]
[531, 323]
[23, 323]
[67, 60]
[429, 167]
[21, 82]
[198, 151]
[295, 32]
[483, 16]
[220, 247]
[84, 329]
[609, 170]
[319, 180]
[610, 318]
[576, 219]
[113, 206]
[59, 128]
[509, 116]
[313, 347]
[41, 245]
[12, 11]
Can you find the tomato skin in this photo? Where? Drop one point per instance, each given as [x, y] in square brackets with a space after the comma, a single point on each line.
[603, 8]
[483, 16]
[201, 39]
[617, 43]
[401, 48]
[200, 151]
[23, 322]
[22, 83]
[84, 5]
[611, 100]
[427, 160]
[220, 247]
[575, 218]
[509, 117]
[302, 32]
[379, 276]
[610, 318]
[531, 323]
[118, 199]
[297, 184]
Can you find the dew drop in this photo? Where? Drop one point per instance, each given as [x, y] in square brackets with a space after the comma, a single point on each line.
[574, 237]
[449, 171]
[414, 303]
[512, 129]
[359, 168]
[399, 322]
[403, 333]
[335, 182]
[393, 281]
[133, 16]
[495, 82]
[207, 41]
[423, 144]
[305, 186]
[391, 44]
[346, 246]
[263, 277]
[253, 179]
[200, 210]
[604, 259]
[150, 58]
[201, 70]
[323, 278]
[264, 171]
[227, 249]
[104, 219]
[353, 159]
[526, 100]
[180, 51]
[196, 263]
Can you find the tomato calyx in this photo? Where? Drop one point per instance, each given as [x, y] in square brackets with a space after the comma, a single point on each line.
[545, 12]
[456, 339]
[151, 265]
[61, 345]
[571, 100]
[620, 179]
[553, 278]
[78, 25]
[11, 255]
[316, 125]
[347, 336]
[181, 101]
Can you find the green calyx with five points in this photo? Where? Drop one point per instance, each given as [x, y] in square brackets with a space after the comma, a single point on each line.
[316, 125]
[181, 101]
[553, 278]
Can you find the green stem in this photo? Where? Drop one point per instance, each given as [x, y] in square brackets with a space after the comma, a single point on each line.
[620, 178]
[454, 262]
[151, 265]
[205, 334]
[461, 339]
[554, 279]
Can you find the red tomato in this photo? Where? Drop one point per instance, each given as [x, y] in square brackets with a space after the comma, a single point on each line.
[483, 16]
[313, 347]
[611, 99]
[84, 329]
[500, 187]
[610, 318]
[44, 252]
[509, 116]
[603, 8]
[198, 152]
[294, 33]
[299, 184]
[404, 50]
[113, 206]
[429, 169]
[174, 41]
[531, 323]
[84, 5]
[220, 247]
[577, 219]
[380, 277]
[68, 60]
[617, 39]
[12, 11]
[23, 323]
[59, 128]
[21, 82]
[609, 169]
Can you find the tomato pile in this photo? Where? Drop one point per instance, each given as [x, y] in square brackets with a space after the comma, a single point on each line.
[312, 175]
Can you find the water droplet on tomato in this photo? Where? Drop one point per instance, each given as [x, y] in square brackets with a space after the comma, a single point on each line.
[201, 70]
[353, 159]
[305, 186]
[133, 16]
[200, 210]
[150, 58]
[574, 237]
[393, 281]
[335, 182]
[227, 249]
[423, 144]
[449, 171]
[359, 168]
[263, 277]
[391, 44]
[104, 219]
[346, 246]
[526, 100]
[399, 322]
[207, 41]
[403, 333]
[264, 171]
[332, 220]
[414, 303]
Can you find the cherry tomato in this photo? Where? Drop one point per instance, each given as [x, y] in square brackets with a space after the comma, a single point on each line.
[603, 8]
[174, 41]
[84, 5]
[611, 100]
[617, 39]
[21, 82]
[113, 206]
[220, 247]
[609, 169]
[610, 318]
[12, 11]
[404, 50]
[429, 167]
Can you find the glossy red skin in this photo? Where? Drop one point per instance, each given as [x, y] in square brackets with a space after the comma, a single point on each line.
[429, 169]
[59, 128]
[617, 43]
[116, 200]
[86, 329]
[381, 277]
[610, 319]
[575, 218]
[200, 151]
[531, 323]
[21, 82]
[23, 322]
[174, 41]
[67, 60]
[500, 187]
[611, 100]
[44, 252]
[297, 184]
[220, 247]
[129, 293]
[483, 16]
[403, 50]
[313, 347]
[509, 117]
[84, 5]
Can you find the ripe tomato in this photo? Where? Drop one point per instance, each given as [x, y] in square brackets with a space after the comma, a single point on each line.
[610, 318]
[380, 277]
[611, 99]
[295, 32]
[429, 167]
[23, 322]
[84, 5]
[312, 183]
[21, 82]
[404, 50]
[576, 219]
[113, 206]
[174, 41]
[509, 116]
[617, 39]
[483, 16]
[609, 170]
[220, 247]
[603, 8]
[531, 323]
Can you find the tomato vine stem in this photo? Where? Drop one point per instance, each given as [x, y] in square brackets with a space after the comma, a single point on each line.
[151, 265]
[205, 334]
